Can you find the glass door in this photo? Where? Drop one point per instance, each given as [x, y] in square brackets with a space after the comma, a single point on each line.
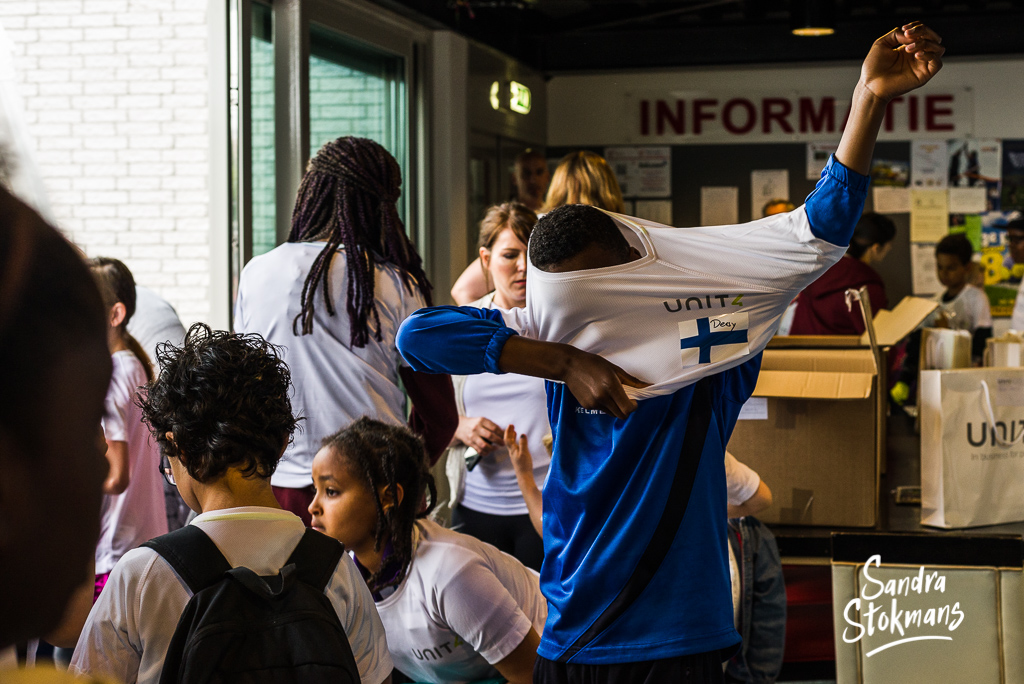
[357, 90]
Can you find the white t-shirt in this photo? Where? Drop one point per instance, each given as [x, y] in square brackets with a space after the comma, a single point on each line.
[969, 310]
[463, 606]
[520, 400]
[333, 384]
[130, 627]
[1017, 321]
[155, 321]
[138, 514]
[659, 318]
[741, 481]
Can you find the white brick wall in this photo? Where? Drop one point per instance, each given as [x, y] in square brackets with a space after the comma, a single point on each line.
[116, 100]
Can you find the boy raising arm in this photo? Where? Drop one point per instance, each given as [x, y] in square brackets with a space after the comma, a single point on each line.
[636, 566]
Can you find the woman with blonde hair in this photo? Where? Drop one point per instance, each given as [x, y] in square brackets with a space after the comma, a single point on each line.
[584, 178]
[581, 177]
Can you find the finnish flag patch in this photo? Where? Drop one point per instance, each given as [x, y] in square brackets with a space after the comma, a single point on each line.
[713, 339]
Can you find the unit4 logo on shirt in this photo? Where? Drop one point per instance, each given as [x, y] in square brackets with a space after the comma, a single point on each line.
[713, 339]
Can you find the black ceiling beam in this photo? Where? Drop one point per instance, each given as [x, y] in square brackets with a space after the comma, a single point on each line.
[967, 35]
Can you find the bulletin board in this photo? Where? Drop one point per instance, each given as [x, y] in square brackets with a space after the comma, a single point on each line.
[697, 166]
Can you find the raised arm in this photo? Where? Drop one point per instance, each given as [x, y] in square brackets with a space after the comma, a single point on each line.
[900, 61]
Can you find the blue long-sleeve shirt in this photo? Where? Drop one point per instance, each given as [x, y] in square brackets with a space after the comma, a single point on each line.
[611, 481]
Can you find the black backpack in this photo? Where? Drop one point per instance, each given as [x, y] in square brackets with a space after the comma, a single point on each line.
[240, 627]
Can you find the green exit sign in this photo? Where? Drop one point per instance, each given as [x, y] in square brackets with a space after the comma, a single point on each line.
[520, 99]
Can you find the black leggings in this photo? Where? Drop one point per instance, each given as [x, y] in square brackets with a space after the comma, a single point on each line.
[700, 668]
[513, 534]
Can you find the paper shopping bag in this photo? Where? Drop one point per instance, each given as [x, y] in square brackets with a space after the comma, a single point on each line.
[972, 447]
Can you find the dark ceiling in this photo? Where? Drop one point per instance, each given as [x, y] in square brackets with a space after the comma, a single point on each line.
[585, 35]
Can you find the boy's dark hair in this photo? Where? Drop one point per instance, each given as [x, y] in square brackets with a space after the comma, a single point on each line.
[347, 198]
[958, 246]
[872, 229]
[224, 398]
[566, 231]
[388, 456]
[1016, 224]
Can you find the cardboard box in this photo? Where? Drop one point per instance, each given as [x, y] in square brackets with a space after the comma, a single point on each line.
[815, 427]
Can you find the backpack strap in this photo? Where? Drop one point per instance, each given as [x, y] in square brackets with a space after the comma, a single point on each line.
[315, 557]
[193, 555]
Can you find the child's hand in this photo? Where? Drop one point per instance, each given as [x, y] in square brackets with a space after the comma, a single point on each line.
[518, 452]
[902, 60]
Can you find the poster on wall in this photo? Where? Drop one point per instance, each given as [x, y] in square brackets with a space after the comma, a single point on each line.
[817, 154]
[929, 218]
[922, 269]
[1002, 276]
[886, 200]
[767, 186]
[889, 173]
[975, 164]
[928, 164]
[1012, 196]
[642, 171]
[719, 206]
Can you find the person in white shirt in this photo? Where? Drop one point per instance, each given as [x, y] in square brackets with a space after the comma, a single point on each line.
[455, 609]
[332, 298]
[962, 306]
[221, 414]
[154, 323]
[133, 510]
[490, 506]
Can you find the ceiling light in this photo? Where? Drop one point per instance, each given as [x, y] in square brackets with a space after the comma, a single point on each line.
[813, 17]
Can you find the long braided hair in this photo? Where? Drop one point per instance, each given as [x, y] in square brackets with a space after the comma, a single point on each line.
[347, 197]
[388, 456]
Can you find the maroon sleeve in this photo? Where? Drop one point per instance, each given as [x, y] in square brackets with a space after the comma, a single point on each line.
[434, 416]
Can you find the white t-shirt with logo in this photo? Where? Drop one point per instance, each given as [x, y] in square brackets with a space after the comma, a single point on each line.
[699, 301]
[333, 383]
[137, 514]
[969, 310]
[463, 606]
[130, 627]
[520, 400]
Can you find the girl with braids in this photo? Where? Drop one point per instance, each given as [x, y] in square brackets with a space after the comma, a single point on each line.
[133, 511]
[454, 608]
[347, 244]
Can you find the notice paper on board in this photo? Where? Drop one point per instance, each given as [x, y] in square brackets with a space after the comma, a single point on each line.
[929, 216]
[890, 200]
[929, 164]
[967, 200]
[755, 408]
[766, 186]
[719, 206]
[922, 268]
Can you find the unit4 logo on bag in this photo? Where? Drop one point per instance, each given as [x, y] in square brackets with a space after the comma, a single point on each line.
[714, 339]
[896, 621]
